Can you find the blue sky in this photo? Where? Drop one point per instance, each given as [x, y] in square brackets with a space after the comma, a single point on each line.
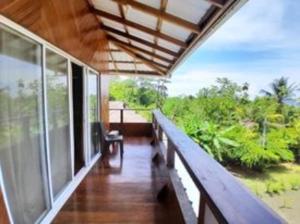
[260, 43]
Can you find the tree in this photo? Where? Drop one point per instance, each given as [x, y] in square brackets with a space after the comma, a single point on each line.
[281, 91]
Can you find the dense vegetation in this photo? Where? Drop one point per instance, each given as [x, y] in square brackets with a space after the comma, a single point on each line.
[231, 127]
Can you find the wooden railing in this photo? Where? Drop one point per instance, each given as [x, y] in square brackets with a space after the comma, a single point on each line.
[130, 126]
[122, 110]
[222, 198]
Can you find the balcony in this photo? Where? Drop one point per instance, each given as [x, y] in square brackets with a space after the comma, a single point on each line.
[147, 186]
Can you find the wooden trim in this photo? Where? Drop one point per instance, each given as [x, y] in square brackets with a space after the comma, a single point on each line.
[4, 219]
[218, 3]
[139, 40]
[133, 72]
[135, 48]
[163, 15]
[140, 27]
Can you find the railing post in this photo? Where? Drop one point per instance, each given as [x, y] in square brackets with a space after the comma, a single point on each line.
[201, 210]
[121, 116]
[160, 134]
[170, 154]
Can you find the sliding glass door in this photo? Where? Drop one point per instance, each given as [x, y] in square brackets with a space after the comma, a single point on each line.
[93, 114]
[58, 120]
[22, 145]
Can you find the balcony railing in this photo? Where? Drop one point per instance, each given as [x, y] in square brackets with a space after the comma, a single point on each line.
[222, 198]
[131, 122]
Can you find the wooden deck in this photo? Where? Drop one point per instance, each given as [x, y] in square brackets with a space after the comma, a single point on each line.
[124, 193]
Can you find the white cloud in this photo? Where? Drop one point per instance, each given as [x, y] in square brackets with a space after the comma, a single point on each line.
[189, 82]
[260, 24]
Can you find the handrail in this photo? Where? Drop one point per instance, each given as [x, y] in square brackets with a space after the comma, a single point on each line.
[128, 109]
[227, 199]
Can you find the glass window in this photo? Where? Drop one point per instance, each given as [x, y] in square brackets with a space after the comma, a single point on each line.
[58, 120]
[93, 113]
[22, 148]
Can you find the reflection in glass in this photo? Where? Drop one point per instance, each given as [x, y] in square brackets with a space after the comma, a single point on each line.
[58, 120]
[22, 151]
[94, 137]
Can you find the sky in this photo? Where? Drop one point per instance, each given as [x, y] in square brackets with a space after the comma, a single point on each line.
[258, 44]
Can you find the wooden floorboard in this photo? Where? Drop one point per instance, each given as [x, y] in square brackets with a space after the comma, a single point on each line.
[124, 193]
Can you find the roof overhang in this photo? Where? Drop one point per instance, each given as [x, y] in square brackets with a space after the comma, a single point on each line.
[154, 37]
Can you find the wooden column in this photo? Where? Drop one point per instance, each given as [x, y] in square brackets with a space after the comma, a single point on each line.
[170, 154]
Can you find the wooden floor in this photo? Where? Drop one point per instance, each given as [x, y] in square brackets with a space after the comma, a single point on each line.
[124, 193]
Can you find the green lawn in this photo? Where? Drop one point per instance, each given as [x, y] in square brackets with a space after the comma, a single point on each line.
[274, 180]
[278, 187]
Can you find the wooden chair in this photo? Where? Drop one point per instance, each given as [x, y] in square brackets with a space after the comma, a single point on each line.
[109, 138]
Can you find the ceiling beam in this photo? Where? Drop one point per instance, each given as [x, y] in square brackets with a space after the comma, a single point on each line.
[112, 58]
[163, 15]
[135, 48]
[138, 62]
[151, 61]
[122, 62]
[139, 27]
[218, 3]
[141, 58]
[139, 40]
[132, 72]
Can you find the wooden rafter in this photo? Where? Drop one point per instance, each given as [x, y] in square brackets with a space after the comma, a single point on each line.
[134, 62]
[142, 28]
[165, 16]
[141, 58]
[139, 40]
[112, 58]
[133, 72]
[135, 48]
[163, 5]
[122, 62]
[218, 3]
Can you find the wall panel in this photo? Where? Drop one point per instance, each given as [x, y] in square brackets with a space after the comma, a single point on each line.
[67, 24]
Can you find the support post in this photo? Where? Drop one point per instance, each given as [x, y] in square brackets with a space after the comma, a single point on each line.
[201, 210]
[170, 154]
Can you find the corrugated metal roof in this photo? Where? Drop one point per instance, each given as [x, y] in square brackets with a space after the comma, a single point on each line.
[151, 37]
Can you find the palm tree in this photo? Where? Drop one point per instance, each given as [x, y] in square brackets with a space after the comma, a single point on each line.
[281, 91]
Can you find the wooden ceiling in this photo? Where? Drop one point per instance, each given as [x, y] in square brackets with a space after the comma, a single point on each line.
[158, 33]
[139, 37]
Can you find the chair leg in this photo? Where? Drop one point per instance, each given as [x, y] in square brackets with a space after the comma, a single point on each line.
[121, 149]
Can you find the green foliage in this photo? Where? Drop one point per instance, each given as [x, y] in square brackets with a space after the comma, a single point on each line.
[223, 120]
[258, 135]
[211, 138]
[141, 92]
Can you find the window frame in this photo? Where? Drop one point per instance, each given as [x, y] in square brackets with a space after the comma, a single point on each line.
[56, 204]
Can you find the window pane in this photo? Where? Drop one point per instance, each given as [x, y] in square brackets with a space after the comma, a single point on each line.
[58, 120]
[22, 152]
[93, 113]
